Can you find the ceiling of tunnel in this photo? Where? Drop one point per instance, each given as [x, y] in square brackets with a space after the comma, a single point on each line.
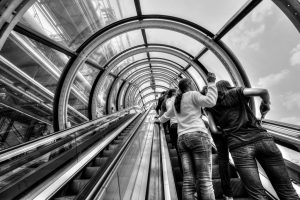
[53, 36]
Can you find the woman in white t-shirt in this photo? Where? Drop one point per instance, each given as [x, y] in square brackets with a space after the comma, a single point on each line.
[193, 139]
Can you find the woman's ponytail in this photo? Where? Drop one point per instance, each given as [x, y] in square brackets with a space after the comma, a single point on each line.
[178, 102]
[183, 85]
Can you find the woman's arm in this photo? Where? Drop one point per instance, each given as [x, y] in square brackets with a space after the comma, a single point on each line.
[212, 125]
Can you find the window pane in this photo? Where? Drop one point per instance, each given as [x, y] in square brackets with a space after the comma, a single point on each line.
[268, 46]
[72, 22]
[116, 45]
[102, 96]
[175, 39]
[212, 14]
[213, 64]
[169, 57]
[196, 76]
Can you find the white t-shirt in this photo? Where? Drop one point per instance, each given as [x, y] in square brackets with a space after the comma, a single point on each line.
[169, 105]
[190, 110]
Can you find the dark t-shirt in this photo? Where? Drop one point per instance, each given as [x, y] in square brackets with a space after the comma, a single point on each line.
[237, 123]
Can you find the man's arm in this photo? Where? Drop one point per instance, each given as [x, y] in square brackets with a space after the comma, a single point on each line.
[212, 125]
[263, 94]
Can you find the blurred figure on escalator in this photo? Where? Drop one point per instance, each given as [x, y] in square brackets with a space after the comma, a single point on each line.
[248, 141]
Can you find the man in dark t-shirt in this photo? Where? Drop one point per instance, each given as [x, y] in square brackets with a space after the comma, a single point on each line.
[248, 141]
[236, 121]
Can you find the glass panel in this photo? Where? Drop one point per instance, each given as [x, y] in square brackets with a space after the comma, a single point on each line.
[181, 41]
[72, 22]
[166, 67]
[144, 85]
[116, 45]
[114, 95]
[148, 98]
[211, 14]
[102, 96]
[135, 69]
[78, 103]
[196, 76]
[122, 96]
[85, 79]
[268, 46]
[213, 64]
[159, 82]
[159, 89]
[38, 61]
[169, 57]
[147, 91]
[127, 62]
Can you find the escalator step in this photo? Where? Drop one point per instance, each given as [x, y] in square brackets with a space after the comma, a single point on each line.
[113, 146]
[65, 198]
[215, 159]
[107, 153]
[170, 146]
[78, 184]
[100, 161]
[173, 152]
[237, 187]
[117, 141]
[168, 139]
[174, 161]
[89, 172]
[121, 137]
[177, 174]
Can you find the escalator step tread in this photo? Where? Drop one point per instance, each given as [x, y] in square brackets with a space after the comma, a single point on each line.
[113, 146]
[107, 152]
[215, 159]
[100, 161]
[173, 152]
[65, 198]
[78, 184]
[89, 172]
[177, 174]
[174, 162]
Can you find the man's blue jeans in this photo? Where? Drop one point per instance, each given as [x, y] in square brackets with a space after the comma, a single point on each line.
[196, 160]
[270, 158]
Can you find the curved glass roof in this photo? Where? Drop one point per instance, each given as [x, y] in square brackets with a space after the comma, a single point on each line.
[108, 51]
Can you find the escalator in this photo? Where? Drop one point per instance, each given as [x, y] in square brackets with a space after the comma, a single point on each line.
[239, 191]
[288, 142]
[26, 167]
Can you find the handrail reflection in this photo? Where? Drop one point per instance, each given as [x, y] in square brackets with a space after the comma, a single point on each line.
[31, 145]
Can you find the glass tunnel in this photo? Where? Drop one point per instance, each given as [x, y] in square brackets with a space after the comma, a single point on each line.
[69, 64]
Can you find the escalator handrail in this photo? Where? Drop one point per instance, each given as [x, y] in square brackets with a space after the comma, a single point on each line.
[282, 124]
[91, 192]
[170, 192]
[24, 183]
[22, 148]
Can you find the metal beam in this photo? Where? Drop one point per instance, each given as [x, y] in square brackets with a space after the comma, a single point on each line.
[153, 21]
[99, 80]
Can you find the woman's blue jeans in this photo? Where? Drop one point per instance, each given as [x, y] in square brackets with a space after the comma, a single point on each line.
[270, 158]
[196, 160]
